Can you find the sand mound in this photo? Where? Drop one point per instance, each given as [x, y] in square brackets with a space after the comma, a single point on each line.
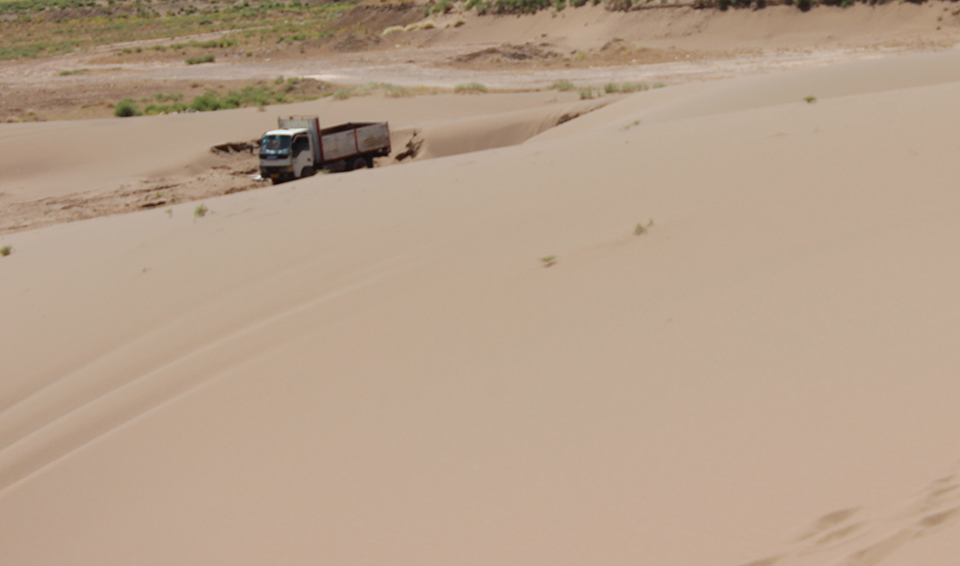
[380, 367]
[508, 52]
[467, 135]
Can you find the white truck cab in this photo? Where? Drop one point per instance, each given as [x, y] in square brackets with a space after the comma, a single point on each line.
[287, 153]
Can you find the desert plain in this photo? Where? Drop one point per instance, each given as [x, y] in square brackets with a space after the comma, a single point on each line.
[715, 322]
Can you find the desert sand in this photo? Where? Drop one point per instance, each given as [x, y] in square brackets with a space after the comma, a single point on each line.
[713, 323]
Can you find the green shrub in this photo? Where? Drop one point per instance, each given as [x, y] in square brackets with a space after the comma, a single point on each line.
[126, 108]
[586, 93]
[202, 59]
[470, 88]
[153, 109]
[73, 72]
[611, 88]
[214, 44]
[520, 6]
[563, 85]
[441, 7]
[206, 102]
[5, 251]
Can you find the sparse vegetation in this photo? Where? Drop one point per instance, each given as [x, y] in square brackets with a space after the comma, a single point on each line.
[470, 88]
[549, 260]
[73, 72]
[563, 85]
[5, 251]
[208, 58]
[201, 211]
[441, 7]
[520, 6]
[586, 93]
[37, 28]
[633, 87]
[393, 91]
[810, 99]
[611, 88]
[641, 229]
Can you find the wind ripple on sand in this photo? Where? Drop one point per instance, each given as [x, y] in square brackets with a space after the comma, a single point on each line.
[108, 393]
[838, 539]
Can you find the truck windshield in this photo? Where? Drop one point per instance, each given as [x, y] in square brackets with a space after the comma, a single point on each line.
[275, 145]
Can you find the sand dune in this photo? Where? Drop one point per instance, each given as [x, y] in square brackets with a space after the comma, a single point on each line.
[378, 367]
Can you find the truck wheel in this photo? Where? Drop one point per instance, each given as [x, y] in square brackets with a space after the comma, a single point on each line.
[308, 172]
[359, 163]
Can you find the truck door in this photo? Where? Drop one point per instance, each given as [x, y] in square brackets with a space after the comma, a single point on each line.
[302, 155]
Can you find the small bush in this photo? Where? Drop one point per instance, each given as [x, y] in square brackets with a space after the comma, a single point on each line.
[73, 72]
[5, 251]
[393, 91]
[611, 88]
[641, 229]
[470, 88]
[201, 211]
[549, 260]
[810, 99]
[633, 87]
[202, 59]
[520, 6]
[586, 93]
[563, 85]
[126, 108]
[441, 7]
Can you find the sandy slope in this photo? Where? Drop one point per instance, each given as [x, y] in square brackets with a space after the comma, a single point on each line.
[56, 158]
[377, 368]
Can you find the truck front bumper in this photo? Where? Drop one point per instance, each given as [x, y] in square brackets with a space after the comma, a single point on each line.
[277, 172]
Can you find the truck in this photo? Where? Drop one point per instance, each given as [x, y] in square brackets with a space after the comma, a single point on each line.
[300, 148]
